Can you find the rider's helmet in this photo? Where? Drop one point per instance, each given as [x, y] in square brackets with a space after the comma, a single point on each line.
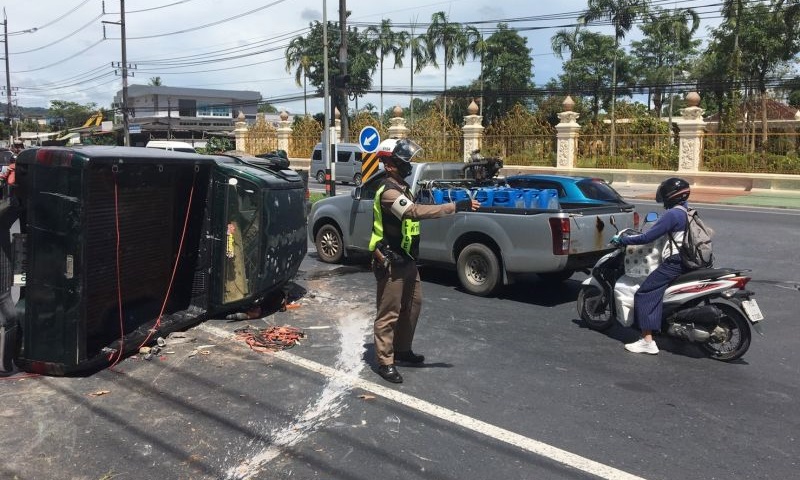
[673, 191]
[400, 152]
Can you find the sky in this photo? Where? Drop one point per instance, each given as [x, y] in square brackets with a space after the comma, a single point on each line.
[71, 50]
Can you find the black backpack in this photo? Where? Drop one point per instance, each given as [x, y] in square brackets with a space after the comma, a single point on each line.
[696, 251]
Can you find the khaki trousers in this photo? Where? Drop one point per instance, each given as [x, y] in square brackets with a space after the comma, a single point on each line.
[399, 300]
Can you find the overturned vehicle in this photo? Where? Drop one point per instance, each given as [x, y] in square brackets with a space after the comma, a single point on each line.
[121, 245]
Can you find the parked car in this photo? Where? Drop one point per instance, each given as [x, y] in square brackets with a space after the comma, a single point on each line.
[171, 145]
[571, 190]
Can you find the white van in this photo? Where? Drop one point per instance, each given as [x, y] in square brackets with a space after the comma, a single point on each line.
[348, 163]
[171, 145]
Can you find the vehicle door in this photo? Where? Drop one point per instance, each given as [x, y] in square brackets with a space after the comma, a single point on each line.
[344, 165]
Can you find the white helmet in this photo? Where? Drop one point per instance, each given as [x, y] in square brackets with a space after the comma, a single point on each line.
[401, 149]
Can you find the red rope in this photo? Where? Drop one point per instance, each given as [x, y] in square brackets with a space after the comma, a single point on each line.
[119, 284]
[175, 266]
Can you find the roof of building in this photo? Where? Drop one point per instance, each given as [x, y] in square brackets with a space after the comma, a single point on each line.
[775, 111]
[140, 90]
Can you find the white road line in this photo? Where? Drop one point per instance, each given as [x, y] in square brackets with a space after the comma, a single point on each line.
[528, 444]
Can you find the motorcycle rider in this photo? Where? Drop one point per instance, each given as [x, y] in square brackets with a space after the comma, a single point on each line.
[647, 302]
[395, 244]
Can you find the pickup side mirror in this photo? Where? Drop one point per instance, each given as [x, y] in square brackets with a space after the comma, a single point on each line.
[356, 193]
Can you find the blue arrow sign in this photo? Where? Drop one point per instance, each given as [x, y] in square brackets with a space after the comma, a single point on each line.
[369, 138]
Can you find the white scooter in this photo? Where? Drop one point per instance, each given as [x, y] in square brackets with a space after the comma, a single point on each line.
[710, 306]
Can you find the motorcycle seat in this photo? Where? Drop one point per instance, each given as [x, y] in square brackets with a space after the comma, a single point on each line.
[704, 274]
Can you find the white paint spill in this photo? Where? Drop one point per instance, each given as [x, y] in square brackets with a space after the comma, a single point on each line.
[352, 330]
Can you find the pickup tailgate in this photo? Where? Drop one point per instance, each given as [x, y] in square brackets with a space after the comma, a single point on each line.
[590, 229]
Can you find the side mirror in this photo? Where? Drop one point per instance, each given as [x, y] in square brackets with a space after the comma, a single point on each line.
[651, 217]
[356, 193]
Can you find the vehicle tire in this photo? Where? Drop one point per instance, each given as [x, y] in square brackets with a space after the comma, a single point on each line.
[556, 277]
[594, 308]
[478, 269]
[736, 335]
[320, 177]
[329, 244]
[357, 179]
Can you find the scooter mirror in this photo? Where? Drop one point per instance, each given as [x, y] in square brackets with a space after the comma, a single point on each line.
[651, 217]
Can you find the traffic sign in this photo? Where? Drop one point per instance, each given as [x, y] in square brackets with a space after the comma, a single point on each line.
[369, 138]
[134, 128]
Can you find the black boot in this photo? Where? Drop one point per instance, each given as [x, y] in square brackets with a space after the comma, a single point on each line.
[409, 357]
[390, 373]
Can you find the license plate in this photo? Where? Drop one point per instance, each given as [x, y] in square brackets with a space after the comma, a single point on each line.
[752, 310]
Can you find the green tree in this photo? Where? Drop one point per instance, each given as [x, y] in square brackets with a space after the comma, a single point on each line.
[297, 55]
[507, 72]
[566, 39]
[451, 38]
[667, 46]
[362, 61]
[155, 82]
[267, 108]
[387, 43]
[621, 14]
[67, 114]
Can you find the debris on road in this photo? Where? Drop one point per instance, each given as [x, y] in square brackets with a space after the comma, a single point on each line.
[270, 339]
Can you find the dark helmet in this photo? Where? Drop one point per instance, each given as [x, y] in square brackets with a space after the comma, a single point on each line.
[673, 191]
[400, 151]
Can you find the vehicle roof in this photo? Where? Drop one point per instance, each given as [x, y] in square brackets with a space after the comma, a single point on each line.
[115, 154]
[548, 176]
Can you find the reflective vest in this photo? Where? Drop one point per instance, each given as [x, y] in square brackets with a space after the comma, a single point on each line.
[399, 235]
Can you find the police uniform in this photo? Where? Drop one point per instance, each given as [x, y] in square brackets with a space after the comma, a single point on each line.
[399, 295]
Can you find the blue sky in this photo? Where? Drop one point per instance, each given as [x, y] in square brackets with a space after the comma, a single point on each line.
[58, 49]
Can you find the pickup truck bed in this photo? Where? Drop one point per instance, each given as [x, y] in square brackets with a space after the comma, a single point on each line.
[488, 247]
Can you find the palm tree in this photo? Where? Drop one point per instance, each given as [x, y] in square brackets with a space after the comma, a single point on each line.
[477, 47]
[418, 51]
[388, 42]
[621, 14]
[297, 55]
[565, 39]
[451, 38]
[676, 25]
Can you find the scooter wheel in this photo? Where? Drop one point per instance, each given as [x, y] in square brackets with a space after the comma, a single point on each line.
[736, 335]
[594, 308]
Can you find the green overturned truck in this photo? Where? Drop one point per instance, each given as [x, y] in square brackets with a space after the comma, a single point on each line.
[120, 245]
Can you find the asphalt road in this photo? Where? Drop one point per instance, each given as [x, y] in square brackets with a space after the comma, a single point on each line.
[514, 387]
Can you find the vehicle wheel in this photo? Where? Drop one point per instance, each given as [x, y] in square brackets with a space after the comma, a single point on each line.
[556, 277]
[594, 308]
[735, 333]
[357, 179]
[478, 269]
[320, 177]
[330, 247]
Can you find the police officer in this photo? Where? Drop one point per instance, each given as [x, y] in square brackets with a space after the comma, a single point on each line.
[395, 244]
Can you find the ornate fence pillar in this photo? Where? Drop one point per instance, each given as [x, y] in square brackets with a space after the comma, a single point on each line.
[473, 131]
[284, 132]
[567, 136]
[240, 132]
[691, 128]
[398, 127]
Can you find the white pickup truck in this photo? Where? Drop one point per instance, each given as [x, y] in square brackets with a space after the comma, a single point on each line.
[487, 247]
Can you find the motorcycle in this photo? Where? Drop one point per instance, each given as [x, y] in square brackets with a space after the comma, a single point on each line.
[710, 307]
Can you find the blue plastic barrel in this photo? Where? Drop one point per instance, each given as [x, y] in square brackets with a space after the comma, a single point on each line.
[531, 197]
[484, 195]
[506, 197]
[548, 199]
[458, 194]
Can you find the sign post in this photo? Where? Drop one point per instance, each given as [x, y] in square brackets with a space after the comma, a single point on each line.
[369, 139]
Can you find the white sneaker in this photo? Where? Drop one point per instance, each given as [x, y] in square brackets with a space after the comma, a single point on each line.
[642, 346]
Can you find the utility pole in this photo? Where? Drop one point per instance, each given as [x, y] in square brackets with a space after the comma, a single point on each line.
[8, 75]
[327, 149]
[124, 67]
[343, 67]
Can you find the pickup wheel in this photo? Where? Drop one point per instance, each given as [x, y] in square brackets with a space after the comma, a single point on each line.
[478, 269]
[330, 246]
[357, 179]
[320, 177]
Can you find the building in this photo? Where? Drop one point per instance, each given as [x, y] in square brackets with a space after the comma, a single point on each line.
[191, 115]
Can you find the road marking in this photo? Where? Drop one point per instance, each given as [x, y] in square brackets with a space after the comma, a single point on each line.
[528, 444]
